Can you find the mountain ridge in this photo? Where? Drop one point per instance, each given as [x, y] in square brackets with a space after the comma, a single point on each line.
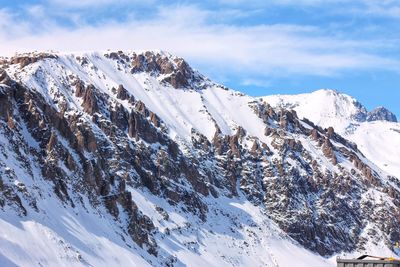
[335, 93]
[169, 176]
[373, 131]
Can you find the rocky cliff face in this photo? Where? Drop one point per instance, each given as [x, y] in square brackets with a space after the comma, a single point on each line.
[98, 128]
[381, 114]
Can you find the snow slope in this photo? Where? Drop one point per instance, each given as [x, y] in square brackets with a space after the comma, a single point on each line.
[181, 110]
[77, 237]
[378, 140]
[236, 232]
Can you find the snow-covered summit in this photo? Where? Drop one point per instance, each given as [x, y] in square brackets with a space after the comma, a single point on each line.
[375, 132]
[330, 108]
[324, 107]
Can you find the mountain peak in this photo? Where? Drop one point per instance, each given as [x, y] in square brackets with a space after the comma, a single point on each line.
[176, 70]
[330, 108]
[325, 107]
[335, 108]
[381, 114]
[168, 68]
[327, 91]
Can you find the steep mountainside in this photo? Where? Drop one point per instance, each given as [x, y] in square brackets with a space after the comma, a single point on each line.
[377, 133]
[135, 159]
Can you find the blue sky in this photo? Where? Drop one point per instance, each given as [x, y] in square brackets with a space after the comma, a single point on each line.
[259, 47]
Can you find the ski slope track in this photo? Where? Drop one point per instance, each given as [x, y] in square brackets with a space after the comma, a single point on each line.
[132, 158]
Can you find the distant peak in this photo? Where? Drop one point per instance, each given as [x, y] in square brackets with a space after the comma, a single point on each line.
[335, 107]
[330, 91]
[378, 114]
[381, 114]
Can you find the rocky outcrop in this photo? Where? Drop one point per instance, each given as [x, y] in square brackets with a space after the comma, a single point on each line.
[90, 104]
[26, 59]
[328, 150]
[4, 78]
[175, 71]
[200, 142]
[52, 142]
[141, 127]
[119, 117]
[122, 93]
[79, 88]
[381, 114]
[181, 76]
[315, 135]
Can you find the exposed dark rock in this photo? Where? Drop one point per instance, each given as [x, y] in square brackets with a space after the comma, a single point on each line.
[140, 225]
[10, 122]
[52, 142]
[199, 141]
[314, 134]
[178, 73]
[329, 133]
[71, 165]
[194, 177]
[25, 60]
[268, 131]
[119, 116]
[79, 88]
[154, 119]
[381, 114]
[328, 150]
[4, 78]
[90, 100]
[122, 93]
[141, 108]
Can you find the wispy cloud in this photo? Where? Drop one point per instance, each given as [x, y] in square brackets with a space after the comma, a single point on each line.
[263, 83]
[95, 3]
[381, 8]
[192, 32]
[263, 3]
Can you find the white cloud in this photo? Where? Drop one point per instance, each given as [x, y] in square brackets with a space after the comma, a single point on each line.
[10, 26]
[380, 8]
[95, 3]
[36, 11]
[263, 50]
[265, 3]
[256, 82]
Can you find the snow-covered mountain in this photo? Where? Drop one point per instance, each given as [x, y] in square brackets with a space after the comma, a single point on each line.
[377, 133]
[135, 159]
